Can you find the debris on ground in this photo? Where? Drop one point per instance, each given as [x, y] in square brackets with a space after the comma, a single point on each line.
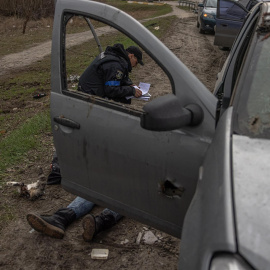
[31, 191]
[149, 238]
[40, 95]
[99, 254]
[124, 242]
[139, 237]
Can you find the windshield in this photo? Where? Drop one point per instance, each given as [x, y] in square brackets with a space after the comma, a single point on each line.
[253, 109]
[211, 3]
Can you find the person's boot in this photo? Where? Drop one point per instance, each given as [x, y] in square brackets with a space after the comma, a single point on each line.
[54, 225]
[94, 225]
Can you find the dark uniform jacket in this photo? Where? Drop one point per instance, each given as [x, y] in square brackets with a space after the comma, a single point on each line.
[107, 75]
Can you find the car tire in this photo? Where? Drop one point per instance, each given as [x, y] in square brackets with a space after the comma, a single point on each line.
[201, 31]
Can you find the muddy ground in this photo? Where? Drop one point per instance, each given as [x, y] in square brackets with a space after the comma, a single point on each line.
[23, 248]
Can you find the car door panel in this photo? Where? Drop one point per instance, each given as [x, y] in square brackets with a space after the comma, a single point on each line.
[127, 165]
[104, 154]
[226, 32]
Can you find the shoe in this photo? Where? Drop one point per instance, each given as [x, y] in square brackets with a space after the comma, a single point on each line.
[89, 227]
[94, 225]
[53, 226]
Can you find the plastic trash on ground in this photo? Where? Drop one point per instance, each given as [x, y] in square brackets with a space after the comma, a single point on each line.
[99, 254]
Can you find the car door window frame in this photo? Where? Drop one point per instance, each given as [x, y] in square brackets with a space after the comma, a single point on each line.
[225, 91]
[81, 95]
[221, 15]
[92, 98]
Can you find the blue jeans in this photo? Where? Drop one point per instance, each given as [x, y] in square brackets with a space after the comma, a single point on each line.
[81, 207]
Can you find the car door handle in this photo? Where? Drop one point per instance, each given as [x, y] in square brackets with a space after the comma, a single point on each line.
[224, 25]
[66, 122]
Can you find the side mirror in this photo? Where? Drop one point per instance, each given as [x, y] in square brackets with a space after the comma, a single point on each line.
[200, 5]
[166, 113]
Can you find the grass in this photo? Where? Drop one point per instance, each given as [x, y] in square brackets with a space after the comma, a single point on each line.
[12, 40]
[24, 138]
[25, 83]
[7, 214]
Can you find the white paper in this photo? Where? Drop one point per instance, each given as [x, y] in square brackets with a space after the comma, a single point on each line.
[144, 87]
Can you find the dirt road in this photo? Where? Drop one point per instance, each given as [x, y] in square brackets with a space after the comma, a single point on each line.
[23, 248]
[36, 53]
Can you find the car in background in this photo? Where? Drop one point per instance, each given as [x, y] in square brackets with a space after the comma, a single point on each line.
[206, 19]
[229, 20]
[192, 163]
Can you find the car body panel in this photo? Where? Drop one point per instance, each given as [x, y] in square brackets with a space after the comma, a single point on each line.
[209, 222]
[251, 192]
[229, 20]
[109, 152]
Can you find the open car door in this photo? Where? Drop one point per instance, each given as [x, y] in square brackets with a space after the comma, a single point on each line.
[105, 155]
[229, 20]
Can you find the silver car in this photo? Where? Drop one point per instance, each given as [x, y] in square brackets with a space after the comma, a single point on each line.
[191, 163]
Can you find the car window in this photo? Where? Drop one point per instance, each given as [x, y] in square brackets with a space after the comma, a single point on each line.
[242, 52]
[253, 97]
[211, 3]
[231, 11]
[80, 48]
[234, 63]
